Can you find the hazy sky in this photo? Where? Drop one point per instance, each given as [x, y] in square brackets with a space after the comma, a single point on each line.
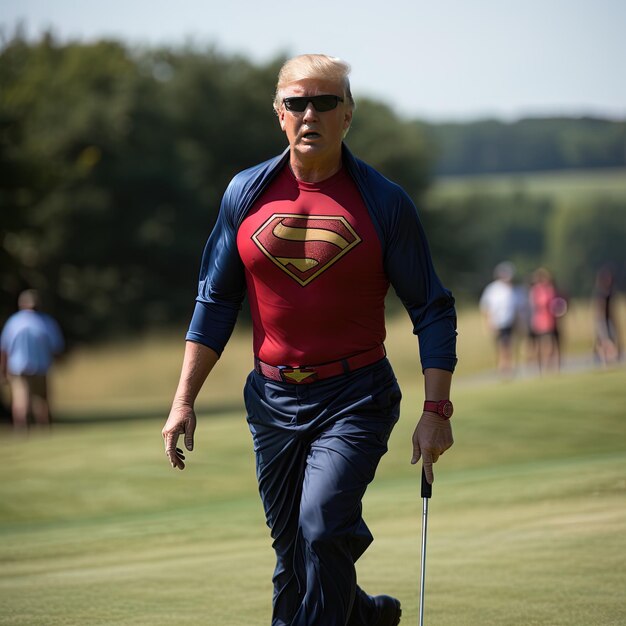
[441, 59]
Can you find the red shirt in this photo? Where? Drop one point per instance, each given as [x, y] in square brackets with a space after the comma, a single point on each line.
[314, 272]
[542, 296]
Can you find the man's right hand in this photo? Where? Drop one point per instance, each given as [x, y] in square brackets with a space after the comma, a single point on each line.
[181, 421]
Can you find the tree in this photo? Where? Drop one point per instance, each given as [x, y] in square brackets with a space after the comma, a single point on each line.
[583, 239]
[471, 235]
[394, 147]
[113, 166]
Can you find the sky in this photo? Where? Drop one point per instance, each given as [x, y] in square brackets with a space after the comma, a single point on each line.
[441, 60]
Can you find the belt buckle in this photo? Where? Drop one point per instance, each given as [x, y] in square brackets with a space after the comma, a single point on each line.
[298, 375]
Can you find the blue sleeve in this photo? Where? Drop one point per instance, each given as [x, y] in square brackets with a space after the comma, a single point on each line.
[410, 269]
[222, 283]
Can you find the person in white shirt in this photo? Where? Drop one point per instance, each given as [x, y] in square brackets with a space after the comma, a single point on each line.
[501, 305]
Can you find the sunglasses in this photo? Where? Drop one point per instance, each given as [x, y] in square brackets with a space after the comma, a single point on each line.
[321, 104]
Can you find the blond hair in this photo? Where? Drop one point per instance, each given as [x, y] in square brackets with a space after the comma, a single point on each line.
[320, 66]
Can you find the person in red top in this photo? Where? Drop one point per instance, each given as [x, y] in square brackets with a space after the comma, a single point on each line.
[315, 238]
[546, 307]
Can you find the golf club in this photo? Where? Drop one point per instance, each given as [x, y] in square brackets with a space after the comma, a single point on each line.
[427, 490]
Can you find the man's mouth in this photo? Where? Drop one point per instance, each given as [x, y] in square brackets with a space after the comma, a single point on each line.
[311, 135]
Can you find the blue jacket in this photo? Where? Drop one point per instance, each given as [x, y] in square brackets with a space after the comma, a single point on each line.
[406, 258]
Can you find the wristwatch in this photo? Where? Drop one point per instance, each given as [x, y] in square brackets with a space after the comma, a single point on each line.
[443, 408]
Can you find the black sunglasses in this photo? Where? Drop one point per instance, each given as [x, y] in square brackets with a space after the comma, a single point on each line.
[320, 103]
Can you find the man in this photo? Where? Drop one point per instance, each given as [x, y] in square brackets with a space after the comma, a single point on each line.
[315, 237]
[29, 342]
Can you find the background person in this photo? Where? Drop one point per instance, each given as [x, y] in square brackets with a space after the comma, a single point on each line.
[29, 342]
[501, 305]
[547, 307]
[315, 237]
[607, 344]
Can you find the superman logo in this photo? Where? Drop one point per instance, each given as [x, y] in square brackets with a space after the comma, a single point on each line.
[305, 247]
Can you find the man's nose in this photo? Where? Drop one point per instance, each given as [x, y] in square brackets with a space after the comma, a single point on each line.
[310, 112]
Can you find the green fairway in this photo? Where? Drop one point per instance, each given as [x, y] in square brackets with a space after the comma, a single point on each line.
[564, 186]
[527, 521]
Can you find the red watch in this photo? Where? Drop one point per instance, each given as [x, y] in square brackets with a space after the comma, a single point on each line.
[443, 408]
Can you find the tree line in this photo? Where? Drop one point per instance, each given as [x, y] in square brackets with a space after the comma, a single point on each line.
[113, 161]
[527, 145]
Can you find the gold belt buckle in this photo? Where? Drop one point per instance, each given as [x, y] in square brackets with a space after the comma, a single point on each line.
[298, 375]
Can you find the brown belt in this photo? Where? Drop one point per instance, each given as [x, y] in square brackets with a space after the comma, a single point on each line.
[304, 374]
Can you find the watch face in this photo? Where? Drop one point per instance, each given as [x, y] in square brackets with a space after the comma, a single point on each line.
[447, 409]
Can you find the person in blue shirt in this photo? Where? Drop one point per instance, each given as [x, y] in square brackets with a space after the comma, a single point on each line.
[29, 342]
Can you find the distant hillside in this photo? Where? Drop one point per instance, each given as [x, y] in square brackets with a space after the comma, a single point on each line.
[571, 186]
[528, 145]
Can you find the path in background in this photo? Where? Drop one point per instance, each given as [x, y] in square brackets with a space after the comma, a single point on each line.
[570, 365]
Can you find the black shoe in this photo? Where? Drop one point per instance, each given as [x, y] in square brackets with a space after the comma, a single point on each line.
[389, 611]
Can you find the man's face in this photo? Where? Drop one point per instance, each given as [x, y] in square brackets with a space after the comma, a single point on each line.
[313, 134]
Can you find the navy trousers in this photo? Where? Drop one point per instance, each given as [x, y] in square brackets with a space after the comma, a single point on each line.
[317, 447]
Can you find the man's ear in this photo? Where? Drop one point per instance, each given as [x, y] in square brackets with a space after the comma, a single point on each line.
[347, 120]
[281, 117]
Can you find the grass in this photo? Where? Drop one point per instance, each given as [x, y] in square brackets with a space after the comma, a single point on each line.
[138, 378]
[568, 186]
[527, 520]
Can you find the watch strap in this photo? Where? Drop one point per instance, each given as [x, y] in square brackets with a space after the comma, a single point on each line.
[443, 408]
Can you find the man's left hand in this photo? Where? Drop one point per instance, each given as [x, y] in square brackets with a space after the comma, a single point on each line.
[431, 438]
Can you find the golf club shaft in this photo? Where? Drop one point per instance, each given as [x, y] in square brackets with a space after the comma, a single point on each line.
[426, 494]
